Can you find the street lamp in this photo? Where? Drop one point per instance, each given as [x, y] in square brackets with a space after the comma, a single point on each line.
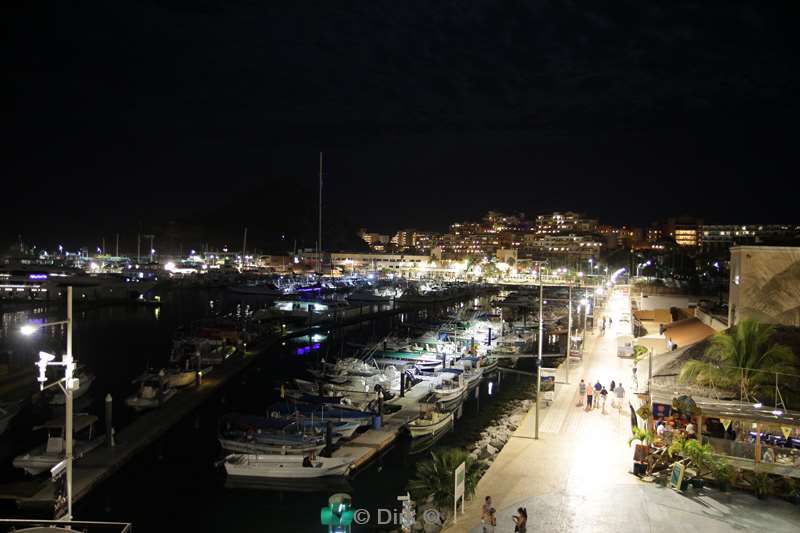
[67, 384]
[640, 265]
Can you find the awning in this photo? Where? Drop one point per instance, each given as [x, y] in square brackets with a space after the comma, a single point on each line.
[685, 332]
[662, 316]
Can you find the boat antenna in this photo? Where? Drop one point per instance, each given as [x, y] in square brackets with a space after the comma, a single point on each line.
[319, 229]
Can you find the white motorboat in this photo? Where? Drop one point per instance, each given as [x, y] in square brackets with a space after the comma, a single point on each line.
[154, 391]
[253, 447]
[448, 390]
[85, 380]
[45, 456]
[430, 423]
[285, 466]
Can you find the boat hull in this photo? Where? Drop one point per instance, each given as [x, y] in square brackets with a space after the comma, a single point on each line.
[416, 430]
[284, 467]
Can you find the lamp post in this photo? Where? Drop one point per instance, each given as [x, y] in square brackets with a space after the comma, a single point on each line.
[67, 385]
[539, 360]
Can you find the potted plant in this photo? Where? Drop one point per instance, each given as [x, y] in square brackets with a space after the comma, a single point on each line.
[645, 437]
[792, 490]
[723, 473]
[761, 483]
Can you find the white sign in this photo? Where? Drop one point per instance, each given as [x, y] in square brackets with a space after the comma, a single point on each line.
[460, 479]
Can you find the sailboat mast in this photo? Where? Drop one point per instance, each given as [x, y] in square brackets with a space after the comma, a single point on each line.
[319, 230]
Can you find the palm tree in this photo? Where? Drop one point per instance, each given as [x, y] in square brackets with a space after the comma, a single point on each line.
[741, 357]
[434, 477]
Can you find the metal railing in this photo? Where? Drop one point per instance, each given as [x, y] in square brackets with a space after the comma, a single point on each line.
[56, 526]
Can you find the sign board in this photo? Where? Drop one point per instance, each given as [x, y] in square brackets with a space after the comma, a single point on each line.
[460, 480]
[676, 479]
[661, 410]
[787, 430]
[726, 423]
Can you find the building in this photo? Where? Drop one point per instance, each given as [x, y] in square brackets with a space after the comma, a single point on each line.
[685, 231]
[765, 284]
[558, 223]
[714, 236]
[562, 249]
[376, 241]
[402, 264]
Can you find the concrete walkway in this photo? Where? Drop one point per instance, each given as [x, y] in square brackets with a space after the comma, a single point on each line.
[577, 473]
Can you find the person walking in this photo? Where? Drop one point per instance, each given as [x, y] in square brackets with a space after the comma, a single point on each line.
[619, 392]
[521, 520]
[597, 388]
[603, 396]
[635, 379]
[589, 395]
[581, 393]
[613, 385]
[487, 506]
[490, 522]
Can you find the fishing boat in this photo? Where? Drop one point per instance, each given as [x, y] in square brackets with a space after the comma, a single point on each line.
[154, 391]
[289, 424]
[273, 443]
[85, 380]
[430, 423]
[47, 455]
[321, 412]
[285, 466]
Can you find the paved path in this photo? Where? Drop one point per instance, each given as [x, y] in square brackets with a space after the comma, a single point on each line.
[577, 473]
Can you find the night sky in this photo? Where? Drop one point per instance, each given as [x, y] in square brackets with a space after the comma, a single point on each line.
[121, 114]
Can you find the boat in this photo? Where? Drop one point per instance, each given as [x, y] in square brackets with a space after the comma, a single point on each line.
[210, 351]
[183, 378]
[430, 423]
[257, 289]
[423, 362]
[8, 410]
[273, 442]
[285, 466]
[292, 423]
[369, 296]
[321, 412]
[154, 391]
[85, 380]
[46, 456]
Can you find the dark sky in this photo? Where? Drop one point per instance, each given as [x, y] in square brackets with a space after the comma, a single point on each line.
[122, 112]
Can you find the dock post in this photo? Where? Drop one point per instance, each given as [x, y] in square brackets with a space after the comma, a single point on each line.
[403, 384]
[109, 421]
[197, 370]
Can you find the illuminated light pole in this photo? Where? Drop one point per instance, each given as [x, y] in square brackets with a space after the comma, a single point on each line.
[539, 360]
[67, 385]
[569, 332]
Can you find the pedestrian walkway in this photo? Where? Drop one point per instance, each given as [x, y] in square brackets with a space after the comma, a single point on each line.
[577, 473]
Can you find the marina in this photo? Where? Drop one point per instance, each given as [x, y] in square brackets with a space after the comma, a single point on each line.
[91, 469]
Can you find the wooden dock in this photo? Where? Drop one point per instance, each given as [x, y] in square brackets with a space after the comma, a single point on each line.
[364, 447]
